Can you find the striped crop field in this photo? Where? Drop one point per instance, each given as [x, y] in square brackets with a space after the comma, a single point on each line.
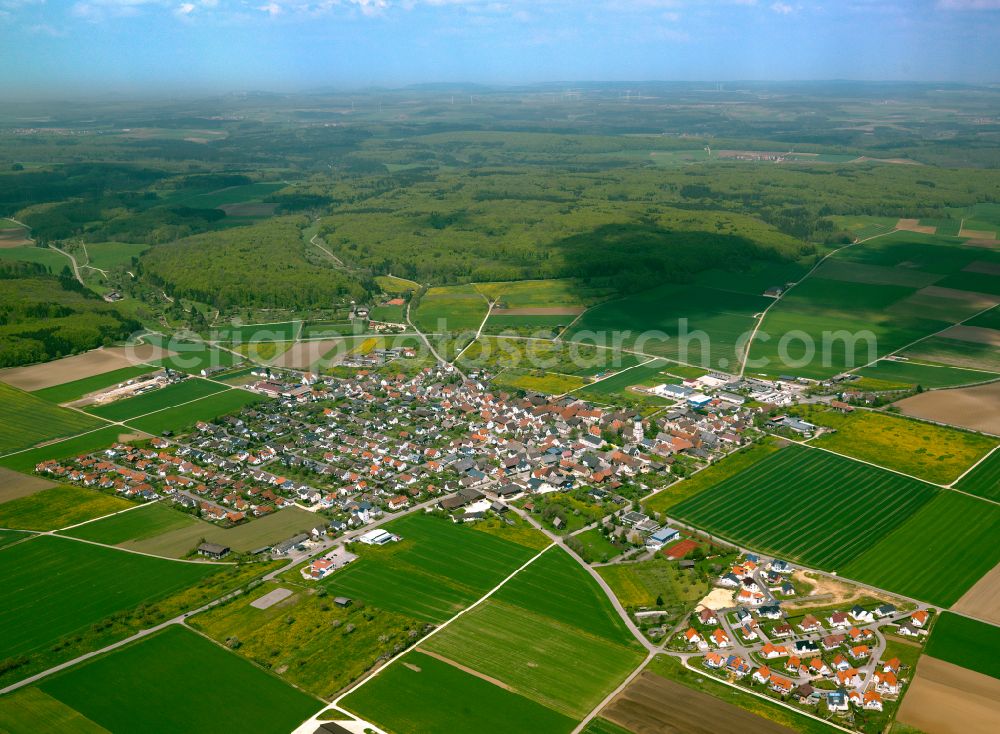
[808, 505]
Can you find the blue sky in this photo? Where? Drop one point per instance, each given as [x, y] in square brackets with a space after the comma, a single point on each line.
[66, 46]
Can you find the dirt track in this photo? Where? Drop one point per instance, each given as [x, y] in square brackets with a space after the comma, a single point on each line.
[98, 361]
[946, 699]
[465, 668]
[977, 408]
[983, 599]
[654, 705]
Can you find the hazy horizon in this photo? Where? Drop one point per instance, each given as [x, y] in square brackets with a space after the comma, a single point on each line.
[147, 47]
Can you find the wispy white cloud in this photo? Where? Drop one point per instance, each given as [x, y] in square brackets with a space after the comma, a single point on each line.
[969, 4]
[782, 8]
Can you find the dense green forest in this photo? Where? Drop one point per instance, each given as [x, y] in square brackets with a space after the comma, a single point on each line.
[264, 266]
[43, 316]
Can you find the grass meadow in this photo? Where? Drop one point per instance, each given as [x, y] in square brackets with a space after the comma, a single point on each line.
[56, 586]
[931, 452]
[419, 693]
[640, 584]
[29, 420]
[58, 507]
[127, 690]
[808, 505]
[305, 639]
[435, 571]
[551, 383]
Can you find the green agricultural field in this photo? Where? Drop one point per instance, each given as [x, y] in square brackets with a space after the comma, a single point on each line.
[729, 466]
[988, 320]
[419, 693]
[305, 638]
[549, 383]
[69, 391]
[542, 326]
[165, 397]
[937, 554]
[807, 505]
[89, 583]
[453, 308]
[619, 383]
[59, 507]
[641, 584]
[603, 726]
[984, 480]
[877, 290]
[263, 351]
[96, 689]
[205, 409]
[865, 226]
[30, 711]
[142, 523]
[966, 643]
[12, 536]
[560, 589]
[530, 652]
[26, 461]
[970, 355]
[686, 323]
[924, 374]
[29, 420]
[756, 277]
[438, 568]
[925, 450]
[540, 293]
[194, 357]
[584, 360]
